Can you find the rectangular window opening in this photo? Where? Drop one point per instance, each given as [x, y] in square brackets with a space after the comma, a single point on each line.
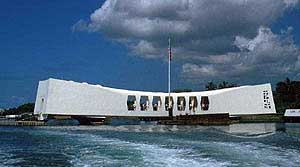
[156, 103]
[181, 103]
[131, 103]
[204, 103]
[169, 103]
[193, 103]
[144, 103]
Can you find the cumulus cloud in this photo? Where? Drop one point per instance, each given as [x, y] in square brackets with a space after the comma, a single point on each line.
[265, 55]
[212, 38]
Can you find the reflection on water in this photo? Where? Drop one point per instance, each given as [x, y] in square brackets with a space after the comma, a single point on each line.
[263, 144]
[250, 129]
[242, 129]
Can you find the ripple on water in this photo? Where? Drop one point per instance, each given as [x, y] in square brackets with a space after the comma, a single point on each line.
[124, 153]
[144, 146]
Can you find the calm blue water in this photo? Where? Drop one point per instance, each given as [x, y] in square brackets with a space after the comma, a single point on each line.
[152, 145]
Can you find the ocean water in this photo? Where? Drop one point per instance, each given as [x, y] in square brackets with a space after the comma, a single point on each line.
[267, 144]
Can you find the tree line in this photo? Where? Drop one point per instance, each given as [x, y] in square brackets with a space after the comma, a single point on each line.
[287, 95]
[24, 108]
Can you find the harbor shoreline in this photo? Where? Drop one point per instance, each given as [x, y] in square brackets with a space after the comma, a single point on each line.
[206, 120]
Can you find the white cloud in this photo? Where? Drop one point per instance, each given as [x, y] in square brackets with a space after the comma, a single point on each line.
[145, 47]
[212, 38]
[266, 55]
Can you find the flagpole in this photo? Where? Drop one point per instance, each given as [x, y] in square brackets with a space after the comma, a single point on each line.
[169, 78]
[169, 71]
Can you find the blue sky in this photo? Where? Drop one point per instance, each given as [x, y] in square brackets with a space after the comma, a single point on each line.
[125, 46]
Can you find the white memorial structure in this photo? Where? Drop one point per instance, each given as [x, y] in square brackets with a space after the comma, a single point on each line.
[59, 97]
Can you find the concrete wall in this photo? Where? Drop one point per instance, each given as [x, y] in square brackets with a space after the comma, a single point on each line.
[41, 97]
[72, 98]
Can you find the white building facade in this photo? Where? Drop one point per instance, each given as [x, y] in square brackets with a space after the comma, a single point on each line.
[59, 97]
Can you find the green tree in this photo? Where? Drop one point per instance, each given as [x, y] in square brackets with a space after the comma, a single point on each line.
[182, 90]
[210, 86]
[224, 84]
[287, 95]
[24, 108]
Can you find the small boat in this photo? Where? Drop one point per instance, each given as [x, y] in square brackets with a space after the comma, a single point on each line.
[292, 115]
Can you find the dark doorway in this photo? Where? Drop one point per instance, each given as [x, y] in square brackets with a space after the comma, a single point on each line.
[204, 103]
[169, 103]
